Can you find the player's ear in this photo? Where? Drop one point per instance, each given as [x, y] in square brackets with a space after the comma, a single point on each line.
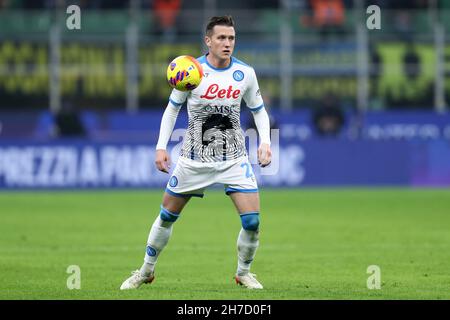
[208, 41]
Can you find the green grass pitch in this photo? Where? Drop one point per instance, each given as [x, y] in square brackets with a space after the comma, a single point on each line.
[314, 244]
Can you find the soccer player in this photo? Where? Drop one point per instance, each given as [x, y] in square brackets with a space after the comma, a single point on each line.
[213, 150]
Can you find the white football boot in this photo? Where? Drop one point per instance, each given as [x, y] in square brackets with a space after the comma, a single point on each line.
[249, 281]
[136, 280]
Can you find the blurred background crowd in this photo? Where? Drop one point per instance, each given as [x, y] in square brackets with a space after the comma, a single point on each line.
[314, 58]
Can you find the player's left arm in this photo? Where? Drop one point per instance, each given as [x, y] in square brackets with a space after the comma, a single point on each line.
[255, 103]
[263, 125]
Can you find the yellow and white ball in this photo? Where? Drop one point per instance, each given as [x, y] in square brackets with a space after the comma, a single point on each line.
[184, 73]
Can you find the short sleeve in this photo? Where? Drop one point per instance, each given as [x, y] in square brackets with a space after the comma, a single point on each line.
[252, 96]
[177, 97]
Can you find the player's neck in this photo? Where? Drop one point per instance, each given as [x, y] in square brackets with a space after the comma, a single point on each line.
[218, 63]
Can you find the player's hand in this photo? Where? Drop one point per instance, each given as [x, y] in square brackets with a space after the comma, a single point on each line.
[264, 155]
[162, 160]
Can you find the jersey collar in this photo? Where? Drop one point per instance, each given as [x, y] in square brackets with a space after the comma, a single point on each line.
[220, 69]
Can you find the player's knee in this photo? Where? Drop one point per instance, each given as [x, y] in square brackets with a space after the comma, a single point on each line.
[168, 216]
[250, 221]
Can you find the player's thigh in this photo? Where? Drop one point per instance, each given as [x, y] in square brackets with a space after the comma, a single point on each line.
[245, 202]
[173, 203]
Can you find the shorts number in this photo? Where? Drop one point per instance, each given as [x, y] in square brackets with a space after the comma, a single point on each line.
[248, 174]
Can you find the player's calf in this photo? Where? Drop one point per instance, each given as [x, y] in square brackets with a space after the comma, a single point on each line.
[247, 244]
[158, 238]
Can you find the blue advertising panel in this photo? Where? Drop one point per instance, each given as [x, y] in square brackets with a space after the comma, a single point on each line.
[81, 164]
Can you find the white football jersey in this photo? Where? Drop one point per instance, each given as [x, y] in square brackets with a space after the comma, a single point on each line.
[214, 132]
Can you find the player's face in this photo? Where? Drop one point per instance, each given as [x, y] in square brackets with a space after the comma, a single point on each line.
[221, 42]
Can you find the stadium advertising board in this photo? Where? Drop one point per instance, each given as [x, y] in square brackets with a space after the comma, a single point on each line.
[312, 163]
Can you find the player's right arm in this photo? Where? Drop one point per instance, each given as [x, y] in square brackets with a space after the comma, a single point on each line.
[162, 159]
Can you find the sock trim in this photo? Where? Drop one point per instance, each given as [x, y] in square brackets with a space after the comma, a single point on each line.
[166, 215]
[250, 221]
[248, 213]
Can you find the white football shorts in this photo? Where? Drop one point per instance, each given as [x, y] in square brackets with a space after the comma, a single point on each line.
[190, 178]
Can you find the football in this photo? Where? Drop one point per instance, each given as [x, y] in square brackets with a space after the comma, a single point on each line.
[184, 73]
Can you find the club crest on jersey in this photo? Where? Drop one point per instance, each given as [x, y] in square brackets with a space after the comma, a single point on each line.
[238, 75]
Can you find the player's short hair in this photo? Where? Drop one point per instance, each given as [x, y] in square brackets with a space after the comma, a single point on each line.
[218, 21]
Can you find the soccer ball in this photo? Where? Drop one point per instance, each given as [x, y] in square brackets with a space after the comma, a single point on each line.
[184, 73]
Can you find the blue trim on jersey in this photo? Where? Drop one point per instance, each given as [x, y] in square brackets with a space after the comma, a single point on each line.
[183, 195]
[233, 60]
[240, 62]
[176, 104]
[219, 69]
[257, 108]
[166, 215]
[202, 59]
[229, 190]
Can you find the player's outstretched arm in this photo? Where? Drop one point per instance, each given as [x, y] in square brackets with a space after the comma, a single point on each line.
[162, 160]
[263, 125]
